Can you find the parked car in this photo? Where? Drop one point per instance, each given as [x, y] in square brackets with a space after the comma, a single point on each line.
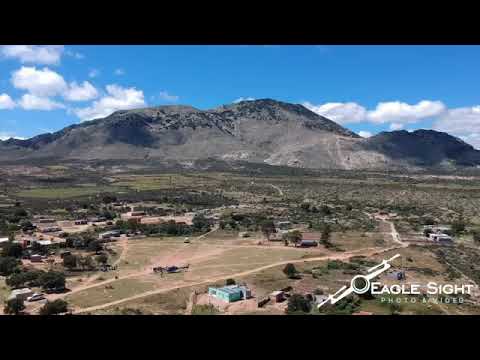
[35, 297]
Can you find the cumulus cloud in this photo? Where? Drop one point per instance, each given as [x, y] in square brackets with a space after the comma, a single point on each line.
[83, 92]
[7, 135]
[365, 134]
[119, 72]
[117, 98]
[34, 54]
[240, 99]
[396, 126]
[164, 95]
[394, 112]
[6, 102]
[342, 113]
[462, 122]
[34, 102]
[42, 82]
[400, 112]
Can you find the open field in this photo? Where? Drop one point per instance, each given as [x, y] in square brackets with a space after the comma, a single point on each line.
[64, 193]
[345, 204]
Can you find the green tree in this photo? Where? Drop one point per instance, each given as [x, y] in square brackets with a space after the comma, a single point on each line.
[294, 236]
[26, 225]
[101, 259]
[268, 228]
[86, 262]
[95, 246]
[14, 307]
[70, 261]
[200, 223]
[12, 249]
[458, 226]
[325, 237]
[8, 265]
[476, 236]
[24, 278]
[52, 280]
[298, 304]
[55, 307]
[290, 271]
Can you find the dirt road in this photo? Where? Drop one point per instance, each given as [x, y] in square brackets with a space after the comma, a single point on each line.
[280, 192]
[342, 256]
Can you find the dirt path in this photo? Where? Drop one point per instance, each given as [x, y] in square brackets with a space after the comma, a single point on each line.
[280, 192]
[145, 271]
[342, 256]
[395, 235]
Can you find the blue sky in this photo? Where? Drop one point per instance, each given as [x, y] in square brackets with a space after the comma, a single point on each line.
[365, 88]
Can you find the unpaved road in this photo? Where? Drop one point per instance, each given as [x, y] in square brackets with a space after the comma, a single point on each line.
[341, 256]
[147, 270]
[280, 192]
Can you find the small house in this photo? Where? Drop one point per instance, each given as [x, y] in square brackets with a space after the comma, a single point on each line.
[277, 296]
[36, 258]
[108, 234]
[230, 293]
[81, 222]
[22, 294]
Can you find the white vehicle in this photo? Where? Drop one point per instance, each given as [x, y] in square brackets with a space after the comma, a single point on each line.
[35, 297]
[187, 240]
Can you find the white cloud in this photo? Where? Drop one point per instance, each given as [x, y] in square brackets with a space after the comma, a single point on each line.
[365, 134]
[164, 95]
[462, 122]
[240, 99]
[118, 98]
[396, 126]
[119, 72]
[7, 135]
[34, 102]
[75, 54]
[6, 102]
[400, 112]
[342, 113]
[43, 82]
[34, 54]
[396, 113]
[83, 92]
[93, 73]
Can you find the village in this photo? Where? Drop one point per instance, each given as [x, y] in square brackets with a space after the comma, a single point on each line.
[69, 248]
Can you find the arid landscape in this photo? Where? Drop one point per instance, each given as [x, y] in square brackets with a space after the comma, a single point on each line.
[126, 241]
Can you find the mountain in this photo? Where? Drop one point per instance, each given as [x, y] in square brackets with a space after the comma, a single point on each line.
[259, 131]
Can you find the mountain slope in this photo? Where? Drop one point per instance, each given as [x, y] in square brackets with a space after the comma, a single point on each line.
[260, 131]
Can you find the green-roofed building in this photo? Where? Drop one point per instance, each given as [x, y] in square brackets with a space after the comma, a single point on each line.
[230, 293]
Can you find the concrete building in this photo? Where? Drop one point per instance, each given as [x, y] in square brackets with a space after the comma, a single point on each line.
[20, 294]
[107, 235]
[230, 293]
[133, 215]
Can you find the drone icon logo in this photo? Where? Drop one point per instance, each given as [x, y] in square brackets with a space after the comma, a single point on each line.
[360, 284]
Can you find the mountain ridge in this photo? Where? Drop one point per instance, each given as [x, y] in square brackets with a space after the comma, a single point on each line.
[259, 131]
